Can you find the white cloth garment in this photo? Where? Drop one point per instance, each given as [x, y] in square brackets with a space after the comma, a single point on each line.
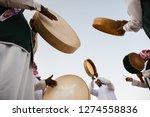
[135, 13]
[17, 6]
[105, 91]
[22, 4]
[17, 61]
[146, 75]
[146, 84]
[140, 84]
[40, 86]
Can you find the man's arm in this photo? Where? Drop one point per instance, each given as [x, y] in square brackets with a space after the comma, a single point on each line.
[22, 4]
[108, 83]
[139, 84]
[28, 4]
[135, 12]
[136, 82]
[92, 90]
[41, 85]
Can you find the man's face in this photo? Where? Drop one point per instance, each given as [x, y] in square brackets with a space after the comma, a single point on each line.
[98, 82]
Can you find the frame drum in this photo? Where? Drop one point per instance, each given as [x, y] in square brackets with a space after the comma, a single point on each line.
[69, 87]
[90, 68]
[58, 34]
[108, 26]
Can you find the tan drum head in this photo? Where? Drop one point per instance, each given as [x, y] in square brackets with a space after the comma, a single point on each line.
[58, 34]
[108, 25]
[69, 87]
[136, 61]
[90, 68]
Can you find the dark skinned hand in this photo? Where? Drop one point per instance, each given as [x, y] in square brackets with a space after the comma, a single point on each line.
[50, 82]
[129, 79]
[120, 30]
[45, 12]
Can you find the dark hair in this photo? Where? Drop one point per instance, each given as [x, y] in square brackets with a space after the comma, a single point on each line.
[128, 66]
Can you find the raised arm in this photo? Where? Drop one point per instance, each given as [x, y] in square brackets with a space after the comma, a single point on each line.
[28, 4]
[139, 84]
[22, 4]
[108, 83]
[136, 82]
[92, 90]
[135, 12]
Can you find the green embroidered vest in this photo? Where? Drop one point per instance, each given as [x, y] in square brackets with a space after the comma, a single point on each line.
[16, 30]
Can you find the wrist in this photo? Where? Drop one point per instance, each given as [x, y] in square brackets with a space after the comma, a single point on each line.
[46, 82]
[37, 6]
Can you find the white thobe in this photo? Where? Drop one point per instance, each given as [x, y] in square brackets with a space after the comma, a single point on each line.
[105, 91]
[16, 73]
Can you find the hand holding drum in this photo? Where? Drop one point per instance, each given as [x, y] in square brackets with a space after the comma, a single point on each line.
[45, 12]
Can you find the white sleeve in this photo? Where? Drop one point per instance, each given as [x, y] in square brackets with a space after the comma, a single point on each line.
[92, 90]
[108, 83]
[22, 4]
[40, 85]
[146, 73]
[135, 13]
[139, 84]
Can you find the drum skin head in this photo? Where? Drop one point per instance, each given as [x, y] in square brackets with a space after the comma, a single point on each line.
[69, 87]
[90, 68]
[58, 34]
[108, 26]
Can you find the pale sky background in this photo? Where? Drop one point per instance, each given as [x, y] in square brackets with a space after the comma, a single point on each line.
[106, 51]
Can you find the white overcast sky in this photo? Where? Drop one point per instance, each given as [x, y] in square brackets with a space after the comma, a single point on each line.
[105, 50]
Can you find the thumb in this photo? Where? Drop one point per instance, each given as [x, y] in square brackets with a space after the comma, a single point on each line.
[51, 76]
